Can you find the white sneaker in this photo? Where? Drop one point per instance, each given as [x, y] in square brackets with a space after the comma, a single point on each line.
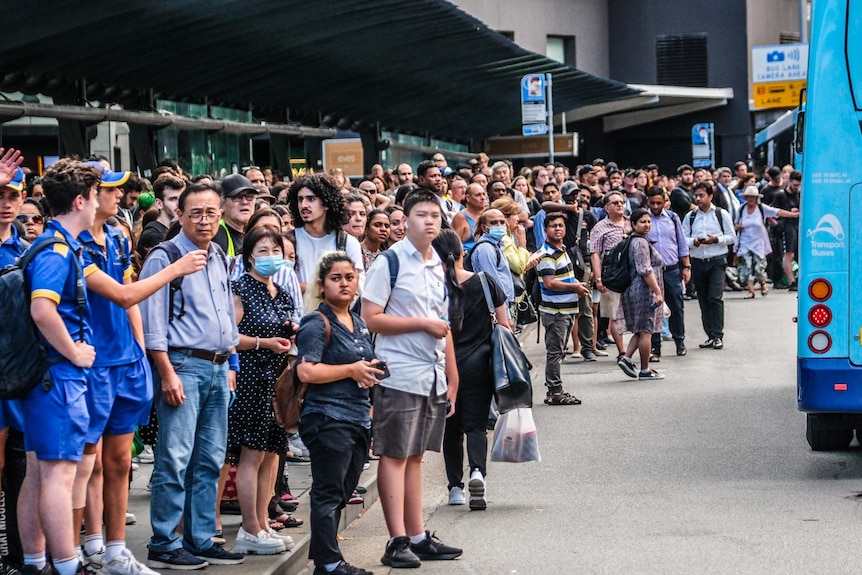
[260, 544]
[478, 500]
[147, 455]
[130, 518]
[126, 564]
[135, 466]
[286, 539]
[456, 496]
[94, 561]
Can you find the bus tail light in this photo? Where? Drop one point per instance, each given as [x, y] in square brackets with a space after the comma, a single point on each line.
[819, 341]
[820, 316]
[820, 290]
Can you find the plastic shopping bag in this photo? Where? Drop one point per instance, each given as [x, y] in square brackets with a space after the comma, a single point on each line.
[515, 439]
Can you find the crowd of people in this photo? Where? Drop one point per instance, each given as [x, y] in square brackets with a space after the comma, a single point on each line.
[200, 293]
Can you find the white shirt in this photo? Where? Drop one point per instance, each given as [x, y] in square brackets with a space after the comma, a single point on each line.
[416, 360]
[309, 250]
[700, 224]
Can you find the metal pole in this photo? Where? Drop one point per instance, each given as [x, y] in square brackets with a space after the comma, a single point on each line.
[803, 21]
[550, 117]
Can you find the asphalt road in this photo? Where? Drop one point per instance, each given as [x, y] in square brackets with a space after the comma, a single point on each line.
[705, 472]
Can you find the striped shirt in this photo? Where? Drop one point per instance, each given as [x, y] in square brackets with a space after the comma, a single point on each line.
[556, 264]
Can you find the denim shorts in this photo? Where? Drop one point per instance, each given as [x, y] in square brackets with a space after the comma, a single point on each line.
[406, 424]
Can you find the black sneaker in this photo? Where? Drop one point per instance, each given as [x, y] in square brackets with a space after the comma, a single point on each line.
[218, 555]
[680, 348]
[399, 555]
[175, 559]
[30, 569]
[708, 343]
[432, 549]
[344, 568]
[717, 343]
[588, 355]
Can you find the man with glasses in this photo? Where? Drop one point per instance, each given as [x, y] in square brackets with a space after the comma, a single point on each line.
[604, 236]
[192, 340]
[238, 196]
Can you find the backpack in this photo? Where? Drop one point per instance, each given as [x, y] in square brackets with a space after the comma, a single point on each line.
[693, 215]
[23, 355]
[290, 390]
[617, 270]
[468, 261]
[176, 285]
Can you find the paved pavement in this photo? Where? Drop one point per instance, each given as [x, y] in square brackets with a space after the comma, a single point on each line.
[705, 472]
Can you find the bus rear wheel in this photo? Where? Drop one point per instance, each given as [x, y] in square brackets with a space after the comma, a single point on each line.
[822, 438]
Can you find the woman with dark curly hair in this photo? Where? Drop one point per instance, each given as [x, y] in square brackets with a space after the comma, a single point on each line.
[318, 212]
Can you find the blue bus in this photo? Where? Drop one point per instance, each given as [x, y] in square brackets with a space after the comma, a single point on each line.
[829, 364]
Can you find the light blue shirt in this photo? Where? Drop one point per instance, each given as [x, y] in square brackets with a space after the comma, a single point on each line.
[487, 256]
[208, 322]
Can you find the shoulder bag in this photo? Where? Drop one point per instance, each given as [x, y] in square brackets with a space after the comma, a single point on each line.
[509, 366]
[290, 391]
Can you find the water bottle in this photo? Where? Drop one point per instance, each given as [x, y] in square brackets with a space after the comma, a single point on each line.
[509, 449]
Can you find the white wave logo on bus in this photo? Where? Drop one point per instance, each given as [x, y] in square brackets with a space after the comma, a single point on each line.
[829, 225]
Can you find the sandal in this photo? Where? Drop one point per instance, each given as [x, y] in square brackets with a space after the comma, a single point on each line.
[276, 525]
[654, 358]
[561, 398]
[292, 521]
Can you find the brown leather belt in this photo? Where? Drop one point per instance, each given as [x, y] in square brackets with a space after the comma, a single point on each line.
[212, 356]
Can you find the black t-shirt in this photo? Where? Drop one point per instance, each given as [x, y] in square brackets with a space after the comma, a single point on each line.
[770, 192]
[575, 237]
[153, 234]
[475, 334]
[637, 199]
[221, 239]
[787, 201]
[680, 201]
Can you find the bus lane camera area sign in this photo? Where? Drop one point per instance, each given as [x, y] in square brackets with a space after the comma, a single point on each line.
[778, 75]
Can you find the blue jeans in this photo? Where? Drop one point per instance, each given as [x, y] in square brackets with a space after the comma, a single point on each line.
[189, 454]
[673, 289]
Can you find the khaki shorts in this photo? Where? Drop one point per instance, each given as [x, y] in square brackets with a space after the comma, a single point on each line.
[406, 424]
[609, 303]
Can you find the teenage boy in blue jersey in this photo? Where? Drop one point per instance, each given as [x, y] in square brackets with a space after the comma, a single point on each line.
[119, 384]
[56, 416]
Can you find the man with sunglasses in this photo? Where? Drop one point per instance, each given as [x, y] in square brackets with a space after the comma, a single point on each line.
[238, 196]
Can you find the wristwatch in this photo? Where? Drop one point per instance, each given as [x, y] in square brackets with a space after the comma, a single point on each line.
[686, 267]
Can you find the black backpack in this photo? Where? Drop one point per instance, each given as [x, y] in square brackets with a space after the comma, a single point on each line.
[23, 355]
[617, 270]
[176, 285]
[468, 261]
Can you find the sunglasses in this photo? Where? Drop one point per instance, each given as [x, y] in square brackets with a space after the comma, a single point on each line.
[37, 219]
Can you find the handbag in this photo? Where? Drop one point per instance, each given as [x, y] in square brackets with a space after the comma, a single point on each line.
[509, 366]
[515, 438]
[290, 391]
[526, 310]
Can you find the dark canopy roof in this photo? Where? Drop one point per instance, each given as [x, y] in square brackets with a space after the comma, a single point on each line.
[418, 66]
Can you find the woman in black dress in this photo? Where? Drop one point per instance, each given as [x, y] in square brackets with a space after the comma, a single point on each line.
[471, 332]
[263, 312]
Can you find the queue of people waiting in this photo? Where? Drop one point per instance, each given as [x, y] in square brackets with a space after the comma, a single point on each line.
[201, 292]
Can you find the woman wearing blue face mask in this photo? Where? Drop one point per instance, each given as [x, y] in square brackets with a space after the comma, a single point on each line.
[487, 255]
[254, 440]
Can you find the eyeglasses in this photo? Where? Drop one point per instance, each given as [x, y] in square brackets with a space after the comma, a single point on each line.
[37, 219]
[243, 198]
[616, 203]
[198, 217]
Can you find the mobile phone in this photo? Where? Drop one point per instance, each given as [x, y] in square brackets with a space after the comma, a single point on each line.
[385, 368]
[654, 306]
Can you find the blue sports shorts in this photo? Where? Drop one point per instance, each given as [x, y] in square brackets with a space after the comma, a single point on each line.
[118, 398]
[56, 420]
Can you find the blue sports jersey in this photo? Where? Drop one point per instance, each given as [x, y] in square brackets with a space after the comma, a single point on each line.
[112, 332]
[11, 249]
[52, 275]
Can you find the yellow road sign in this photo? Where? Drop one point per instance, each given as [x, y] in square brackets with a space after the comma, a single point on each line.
[778, 94]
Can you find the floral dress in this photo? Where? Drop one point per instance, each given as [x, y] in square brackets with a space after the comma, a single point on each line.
[636, 300]
[251, 423]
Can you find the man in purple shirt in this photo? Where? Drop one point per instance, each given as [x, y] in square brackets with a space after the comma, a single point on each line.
[667, 237]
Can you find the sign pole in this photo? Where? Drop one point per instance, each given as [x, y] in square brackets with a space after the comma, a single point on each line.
[550, 118]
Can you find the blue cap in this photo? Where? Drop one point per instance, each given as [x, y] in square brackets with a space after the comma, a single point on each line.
[110, 179]
[17, 182]
[446, 171]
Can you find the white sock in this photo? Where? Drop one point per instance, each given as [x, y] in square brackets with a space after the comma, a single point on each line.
[67, 566]
[93, 543]
[37, 559]
[112, 549]
[416, 539]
